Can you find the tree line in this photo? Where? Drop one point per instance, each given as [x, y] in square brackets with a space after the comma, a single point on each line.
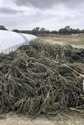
[67, 30]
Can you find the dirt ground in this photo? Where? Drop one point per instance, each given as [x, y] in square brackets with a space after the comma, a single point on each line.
[70, 119]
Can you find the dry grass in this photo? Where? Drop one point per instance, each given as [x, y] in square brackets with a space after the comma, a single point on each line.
[39, 79]
[42, 79]
[75, 40]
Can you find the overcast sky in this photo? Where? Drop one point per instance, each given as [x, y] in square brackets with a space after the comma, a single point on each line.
[51, 14]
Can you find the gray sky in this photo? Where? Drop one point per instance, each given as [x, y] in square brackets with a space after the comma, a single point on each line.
[51, 14]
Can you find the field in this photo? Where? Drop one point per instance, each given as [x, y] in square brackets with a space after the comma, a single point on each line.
[72, 117]
[75, 40]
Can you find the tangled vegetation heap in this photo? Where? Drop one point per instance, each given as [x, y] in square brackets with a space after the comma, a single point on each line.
[41, 79]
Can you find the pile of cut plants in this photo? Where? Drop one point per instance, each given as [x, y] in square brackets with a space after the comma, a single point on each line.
[42, 79]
